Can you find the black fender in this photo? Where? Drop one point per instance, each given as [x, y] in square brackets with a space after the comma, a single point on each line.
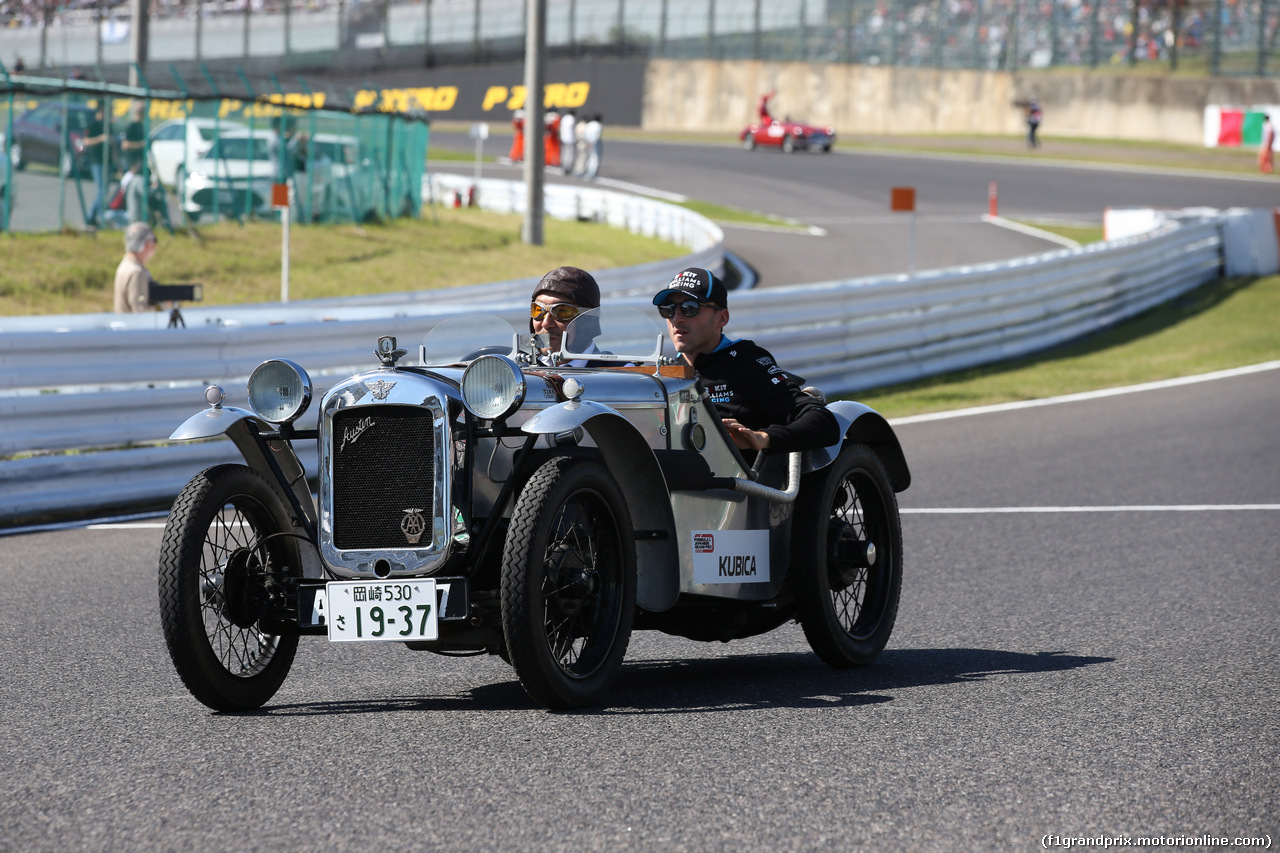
[272, 457]
[862, 424]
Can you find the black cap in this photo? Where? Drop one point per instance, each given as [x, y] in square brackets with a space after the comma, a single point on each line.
[572, 284]
[698, 283]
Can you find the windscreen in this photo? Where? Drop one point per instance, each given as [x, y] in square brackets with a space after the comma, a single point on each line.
[466, 337]
[621, 334]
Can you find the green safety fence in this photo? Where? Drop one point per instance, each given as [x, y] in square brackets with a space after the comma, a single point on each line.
[113, 154]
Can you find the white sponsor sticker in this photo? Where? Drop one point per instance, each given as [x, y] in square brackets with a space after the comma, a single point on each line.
[730, 556]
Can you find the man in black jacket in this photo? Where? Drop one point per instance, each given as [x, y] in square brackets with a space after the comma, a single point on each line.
[763, 406]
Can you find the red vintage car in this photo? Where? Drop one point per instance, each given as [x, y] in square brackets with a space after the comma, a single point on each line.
[785, 133]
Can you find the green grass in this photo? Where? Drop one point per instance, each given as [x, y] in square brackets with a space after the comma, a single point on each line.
[722, 213]
[1082, 234]
[1221, 325]
[73, 273]
[438, 154]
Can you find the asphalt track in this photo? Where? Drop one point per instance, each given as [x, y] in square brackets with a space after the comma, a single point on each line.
[846, 195]
[1091, 655]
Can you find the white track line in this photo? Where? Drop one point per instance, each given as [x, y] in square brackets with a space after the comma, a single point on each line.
[1088, 395]
[638, 189]
[128, 525]
[993, 510]
[1031, 231]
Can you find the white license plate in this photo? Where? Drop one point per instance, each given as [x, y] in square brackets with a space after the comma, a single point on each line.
[386, 611]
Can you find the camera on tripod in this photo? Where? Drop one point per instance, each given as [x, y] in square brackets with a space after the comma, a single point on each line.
[176, 293]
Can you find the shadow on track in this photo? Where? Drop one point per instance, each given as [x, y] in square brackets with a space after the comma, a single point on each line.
[802, 681]
[796, 680]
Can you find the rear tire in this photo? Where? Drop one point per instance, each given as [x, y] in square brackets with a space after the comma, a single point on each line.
[15, 156]
[846, 603]
[568, 583]
[219, 566]
[749, 142]
[788, 145]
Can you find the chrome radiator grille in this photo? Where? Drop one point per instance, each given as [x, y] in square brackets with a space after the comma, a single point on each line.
[383, 477]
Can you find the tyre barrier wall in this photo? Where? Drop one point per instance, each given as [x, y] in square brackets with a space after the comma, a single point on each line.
[842, 336]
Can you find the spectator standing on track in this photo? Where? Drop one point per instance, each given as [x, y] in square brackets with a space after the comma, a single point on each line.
[592, 133]
[764, 407]
[95, 140]
[133, 281]
[1266, 150]
[568, 142]
[1034, 114]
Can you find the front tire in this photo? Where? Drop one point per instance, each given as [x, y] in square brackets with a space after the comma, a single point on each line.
[15, 156]
[846, 595]
[749, 142]
[568, 583]
[220, 564]
[788, 145]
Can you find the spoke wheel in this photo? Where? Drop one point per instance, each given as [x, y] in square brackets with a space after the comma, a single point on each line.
[749, 141]
[218, 570]
[788, 145]
[568, 583]
[15, 156]
[848, 558]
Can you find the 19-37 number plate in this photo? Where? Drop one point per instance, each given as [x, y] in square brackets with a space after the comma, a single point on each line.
[370, 611]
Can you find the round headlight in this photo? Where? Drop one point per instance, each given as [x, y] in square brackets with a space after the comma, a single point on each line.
[492, 387]
[279, 391]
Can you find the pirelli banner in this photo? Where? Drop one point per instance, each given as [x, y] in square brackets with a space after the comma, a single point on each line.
[492, 93]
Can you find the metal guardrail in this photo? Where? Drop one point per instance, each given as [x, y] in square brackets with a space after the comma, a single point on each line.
[842, 336]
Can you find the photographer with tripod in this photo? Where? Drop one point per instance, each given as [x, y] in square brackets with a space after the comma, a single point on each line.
[133, 281]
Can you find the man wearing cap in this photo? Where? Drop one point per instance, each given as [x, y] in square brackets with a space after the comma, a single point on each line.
[558, 298]
[133, 280]
[763, 406]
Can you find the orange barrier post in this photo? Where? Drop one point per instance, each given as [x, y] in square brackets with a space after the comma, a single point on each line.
[992, 203]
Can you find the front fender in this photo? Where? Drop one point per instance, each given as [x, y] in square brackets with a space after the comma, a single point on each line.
[863, 424]
[273, 458]
[634, 466]
[565, 417]
[214, 422]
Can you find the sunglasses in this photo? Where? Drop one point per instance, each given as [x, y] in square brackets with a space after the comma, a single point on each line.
[689, 308]
[562, 311]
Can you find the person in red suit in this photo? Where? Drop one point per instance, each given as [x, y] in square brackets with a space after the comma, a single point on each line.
[762, 107]
[517, 137]
[552, 135]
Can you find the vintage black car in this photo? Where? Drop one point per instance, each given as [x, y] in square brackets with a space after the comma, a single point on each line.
[498, 499]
